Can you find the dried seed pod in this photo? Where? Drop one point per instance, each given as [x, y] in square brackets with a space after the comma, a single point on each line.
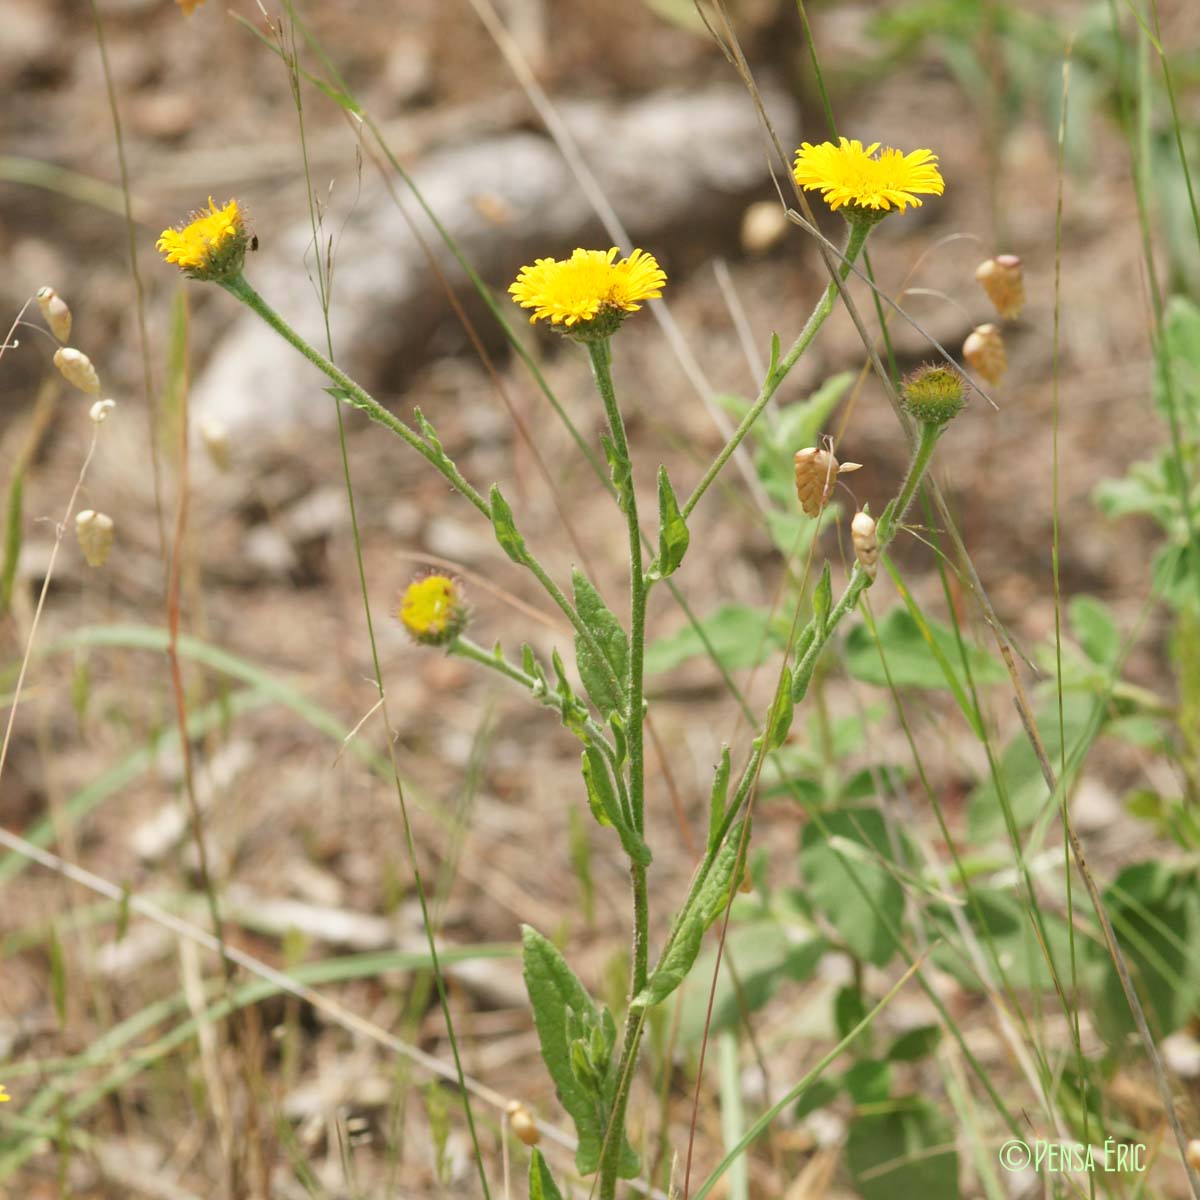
[816, 473]
[94, 532]
[215, 437]
[77, 369]
[1004, 282]
[56, 313]
[523, 1123]
[1193, 1154]
[100, 410]
[866, 544]
[984, 352]
[764, 224]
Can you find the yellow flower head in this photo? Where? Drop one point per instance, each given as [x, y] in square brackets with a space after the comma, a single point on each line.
[211, 246]
[849, 175]
[4, 1096]
[588, 294]
[433, 610]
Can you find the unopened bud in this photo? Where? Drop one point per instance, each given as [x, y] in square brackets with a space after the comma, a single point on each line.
[933, 395]
[100, 410]
[764, 224]
[523, 1123]
[56, 313]
[866, 544]
[77, 369]
[816, 473]
[984, 352]
[215, 437]
[1004, 282]
[94, 532]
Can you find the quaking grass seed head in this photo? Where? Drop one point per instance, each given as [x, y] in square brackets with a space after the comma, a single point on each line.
[589, 295]
[522, 1122]
[866, 543]
[983, 351]
[211, 246]
[817, 471]
[433, 610]
[55, 313]
[94, 533]
[933, 394]
[77, 369]
[1003, 279]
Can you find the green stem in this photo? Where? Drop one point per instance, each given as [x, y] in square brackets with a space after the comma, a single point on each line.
[854, 244]
[352, 394]
[929, 435]
[601, 356]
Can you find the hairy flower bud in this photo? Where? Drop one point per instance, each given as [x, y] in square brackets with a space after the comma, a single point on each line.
[94, 532]
[523, 1123]
[866, 544]
[433, 610]
[933, 395]
[816, 473]
[55, 312]
[77, 369]
[1004, 282]
[984, 352]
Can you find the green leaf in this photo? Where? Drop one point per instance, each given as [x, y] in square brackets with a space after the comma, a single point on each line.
[673, 535]
[738, 635]
[856, 894]
[704, 908]
[915, 1044]
[1021, 772]
[1155, 911]
[909, 1151]
[717, 800]
[511, 542]
[849, 1009]
[909, 658]
[613, 644]
[558, 1000]
[606, 808]
[541, 1182]
[869, 1081]
[767, 957]
[822, 602]
[781, 712]
[1095, 630]
[1000, 920]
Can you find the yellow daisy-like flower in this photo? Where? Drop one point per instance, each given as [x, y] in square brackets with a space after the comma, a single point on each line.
[590, 293]
[4, 1096]
[433, 610]
[849, 175]
[211, 246]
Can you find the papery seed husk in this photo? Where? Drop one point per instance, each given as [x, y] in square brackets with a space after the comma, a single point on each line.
[100, 410]
[55, 312]
[764, 225]
[866, 544]
[816, 473]
[215, 437]
[1004, 281]
[77, 369]
[523, 1123]
[984, 352]
[94, 532]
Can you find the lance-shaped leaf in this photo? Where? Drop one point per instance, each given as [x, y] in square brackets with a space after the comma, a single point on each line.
[673, 535]
[511, 542]
[561, 1006]
[541, 1182]
[597, 674]
[606, 808]
[704, 906]
[716, 802]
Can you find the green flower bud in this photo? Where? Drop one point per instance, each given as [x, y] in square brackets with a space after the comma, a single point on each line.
[933, 395]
